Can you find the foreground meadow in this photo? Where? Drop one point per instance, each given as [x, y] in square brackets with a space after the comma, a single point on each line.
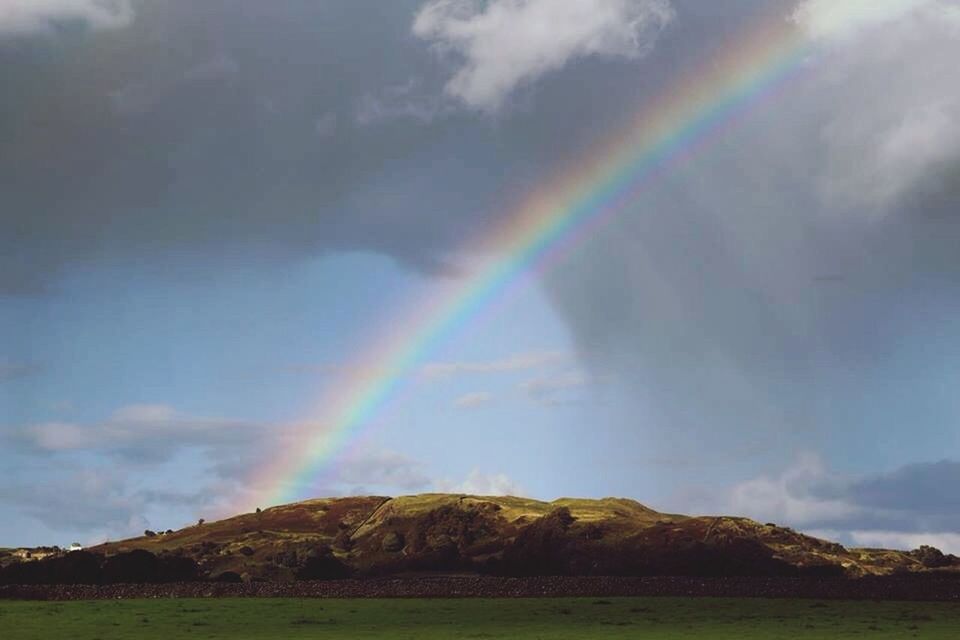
[661, 618]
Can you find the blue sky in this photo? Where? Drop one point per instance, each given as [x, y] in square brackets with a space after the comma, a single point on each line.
[209, 212]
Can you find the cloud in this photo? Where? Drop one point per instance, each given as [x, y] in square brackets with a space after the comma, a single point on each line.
[504, 44]
[381, 468]
[554, 390]
[904, 508]
[438, 370]
[405, 101]
[946, 542]
[90, 500]
[141, 97]
[190, 140]
[516, 362]
[832, 19]
[704, 292]
[922, 489]
[895, 122]
[794, 496]
[139, 433]
[473, 400]
[326, 125]
[481, 484]
[23, 17]
[370, 470]
[110, 478]
[15, 370]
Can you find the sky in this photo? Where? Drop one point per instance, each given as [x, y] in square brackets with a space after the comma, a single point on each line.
[211, 211]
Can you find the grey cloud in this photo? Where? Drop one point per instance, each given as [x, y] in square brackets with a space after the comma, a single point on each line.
[201, 134]
[774, 286]
[141, 433]
[923, 489]
[14, 370]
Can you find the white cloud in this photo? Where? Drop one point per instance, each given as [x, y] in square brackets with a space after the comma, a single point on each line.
[902, 509]
[506, 43]
[382, 468]
[473, 400]
[405, 101]
[59, 436]
[946, 542]
[113, 496]
[844, 18]
[554, 390]
[790, 497]
[481, 484]
[37, 16]
[894, 91]
[139, 433]
[440, 370]
[516, 362]
[144, 413]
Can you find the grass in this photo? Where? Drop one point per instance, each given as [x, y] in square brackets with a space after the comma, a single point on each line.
[555, 618]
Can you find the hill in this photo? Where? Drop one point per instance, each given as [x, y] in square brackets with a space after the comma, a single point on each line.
[463, 534]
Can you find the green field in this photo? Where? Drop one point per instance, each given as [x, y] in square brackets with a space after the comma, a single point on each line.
[661, 618]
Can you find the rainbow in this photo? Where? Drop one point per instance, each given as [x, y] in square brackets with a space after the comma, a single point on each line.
[540, 231]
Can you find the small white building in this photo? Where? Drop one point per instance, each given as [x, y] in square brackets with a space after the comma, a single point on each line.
[76, 546]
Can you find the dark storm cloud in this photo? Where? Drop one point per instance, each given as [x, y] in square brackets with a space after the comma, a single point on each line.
[227, 132]
[789, 282]
[231, 130]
